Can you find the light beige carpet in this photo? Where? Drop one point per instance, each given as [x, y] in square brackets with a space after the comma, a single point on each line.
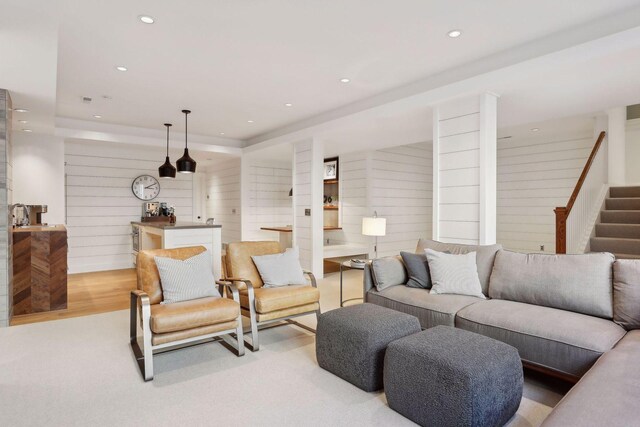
[81, 372]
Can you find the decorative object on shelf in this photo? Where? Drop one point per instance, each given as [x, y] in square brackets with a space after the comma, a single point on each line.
[331, 171]
[374, 226]
[186, 164]
[329, 199]
[167, 170]
[145, 187]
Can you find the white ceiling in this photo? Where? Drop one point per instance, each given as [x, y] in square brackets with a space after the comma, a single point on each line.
[233, 61]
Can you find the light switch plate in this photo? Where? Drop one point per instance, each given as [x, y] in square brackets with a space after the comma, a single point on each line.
[307, 212]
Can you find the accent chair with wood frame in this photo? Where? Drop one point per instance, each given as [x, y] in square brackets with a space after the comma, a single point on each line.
[170, 326]
[264, 305]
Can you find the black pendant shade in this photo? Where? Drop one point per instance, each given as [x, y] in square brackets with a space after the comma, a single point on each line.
[167, 170]
[186, 164]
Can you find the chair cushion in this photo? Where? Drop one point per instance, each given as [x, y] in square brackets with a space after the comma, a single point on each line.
[273, 299]
[561, 340]
[626, 293]
[192, 314]
[287, 312]
[580, 283]
[484, 256]
[608, 394]
[158, 339]
[281, 269]
[184, 280]
[147, 271]
[239, 262]
[432, 310]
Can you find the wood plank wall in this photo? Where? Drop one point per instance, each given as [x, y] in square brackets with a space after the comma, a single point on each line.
[534, 176]
[101, 206]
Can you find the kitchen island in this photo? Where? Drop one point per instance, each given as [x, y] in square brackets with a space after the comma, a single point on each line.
[163, 235]
[39, 269]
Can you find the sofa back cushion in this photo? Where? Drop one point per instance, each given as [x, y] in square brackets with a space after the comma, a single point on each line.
[626, 293]
[579, 283]
[485, 256]
[388, 271]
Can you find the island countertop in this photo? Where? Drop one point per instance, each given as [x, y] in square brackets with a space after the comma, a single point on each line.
[176, 226]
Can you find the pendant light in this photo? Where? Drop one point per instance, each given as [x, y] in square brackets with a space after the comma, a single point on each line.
[186, 164]
[167, 170]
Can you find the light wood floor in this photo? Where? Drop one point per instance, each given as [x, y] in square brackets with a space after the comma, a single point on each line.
[90, 293]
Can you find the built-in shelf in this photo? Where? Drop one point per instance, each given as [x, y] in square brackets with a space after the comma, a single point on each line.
[330, 208]
[330, 181]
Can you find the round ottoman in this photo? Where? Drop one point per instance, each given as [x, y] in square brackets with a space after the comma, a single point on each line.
[451, 377]
[351, 341]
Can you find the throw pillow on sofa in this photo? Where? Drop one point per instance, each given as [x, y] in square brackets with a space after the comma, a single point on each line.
[417, 270]
[454, 274]
[626, 293]
[280, 269]
[188, 279]
[387, 272]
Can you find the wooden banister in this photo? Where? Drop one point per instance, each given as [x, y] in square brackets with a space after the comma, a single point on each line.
[562, 212]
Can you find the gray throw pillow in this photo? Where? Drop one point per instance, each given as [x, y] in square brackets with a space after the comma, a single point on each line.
[626, 293]
[454, 274]
[387, 272]
[188, 279]
[280, 269]
[417, 270]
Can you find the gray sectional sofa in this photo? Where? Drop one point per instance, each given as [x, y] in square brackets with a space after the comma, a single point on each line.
[573, 316]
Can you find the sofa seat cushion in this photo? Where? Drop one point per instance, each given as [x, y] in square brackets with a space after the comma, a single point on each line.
[192, 314]
[608, 394]
[274, 299]
[431, 309]
[560, 340]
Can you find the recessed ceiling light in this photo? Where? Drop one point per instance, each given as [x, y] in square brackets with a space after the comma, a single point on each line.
[20, 110]
[27, 130]
[221, 133]
[146, 19]
[535, 129]
[288, 105]
[23, 121]
[97, 116]
[454, 33]
[121, 68]
[345, 80]
[249, 121]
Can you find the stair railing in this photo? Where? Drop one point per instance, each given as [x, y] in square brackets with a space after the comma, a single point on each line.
[563, 212]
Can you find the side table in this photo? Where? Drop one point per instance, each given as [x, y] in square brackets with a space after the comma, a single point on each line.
[346, 265]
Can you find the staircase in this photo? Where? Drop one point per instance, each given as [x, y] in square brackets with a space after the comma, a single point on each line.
[618, 231]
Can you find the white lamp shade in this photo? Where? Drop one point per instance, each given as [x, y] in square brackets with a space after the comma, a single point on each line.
[374, 226]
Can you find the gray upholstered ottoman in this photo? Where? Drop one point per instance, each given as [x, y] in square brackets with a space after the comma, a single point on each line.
[451, 377]
[351, 341]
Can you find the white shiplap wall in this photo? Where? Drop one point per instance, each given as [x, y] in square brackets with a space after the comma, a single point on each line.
[223, 197]
[269, 203]
[535, 175]
[101, 206]
[401, 182]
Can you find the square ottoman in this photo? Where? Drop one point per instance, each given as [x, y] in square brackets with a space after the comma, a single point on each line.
[351, 341]
[451, 377]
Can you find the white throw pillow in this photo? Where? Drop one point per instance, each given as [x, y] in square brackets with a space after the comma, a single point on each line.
[188, 279]
[454, 274]
[280, 269]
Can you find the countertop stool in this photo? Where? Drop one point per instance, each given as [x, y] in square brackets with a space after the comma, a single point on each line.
[450, 377]
[351, 341]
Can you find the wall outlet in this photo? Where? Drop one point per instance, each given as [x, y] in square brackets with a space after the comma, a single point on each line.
[233, 211]
[307, 212]
[542, 247]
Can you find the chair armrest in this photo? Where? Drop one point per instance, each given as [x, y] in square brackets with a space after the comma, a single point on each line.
[312, 278]
[231, 287]
[235, 279]
[141, 296]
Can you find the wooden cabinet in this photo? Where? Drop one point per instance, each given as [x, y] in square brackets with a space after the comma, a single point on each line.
[39, 269]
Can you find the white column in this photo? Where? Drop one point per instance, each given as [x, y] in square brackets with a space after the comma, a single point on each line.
[308, 163]
[617, 145]
[464, 170]
[245, 185]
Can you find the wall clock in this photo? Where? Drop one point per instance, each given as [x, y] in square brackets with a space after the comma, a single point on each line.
[145, 187]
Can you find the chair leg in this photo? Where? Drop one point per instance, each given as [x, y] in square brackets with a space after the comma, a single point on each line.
[146, 340]
[255, 340]
[240, 337]
[143, 356]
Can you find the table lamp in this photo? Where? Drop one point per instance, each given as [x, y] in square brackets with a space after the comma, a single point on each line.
[374, 226]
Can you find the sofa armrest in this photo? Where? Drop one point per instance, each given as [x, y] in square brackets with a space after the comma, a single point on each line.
[367, 280]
